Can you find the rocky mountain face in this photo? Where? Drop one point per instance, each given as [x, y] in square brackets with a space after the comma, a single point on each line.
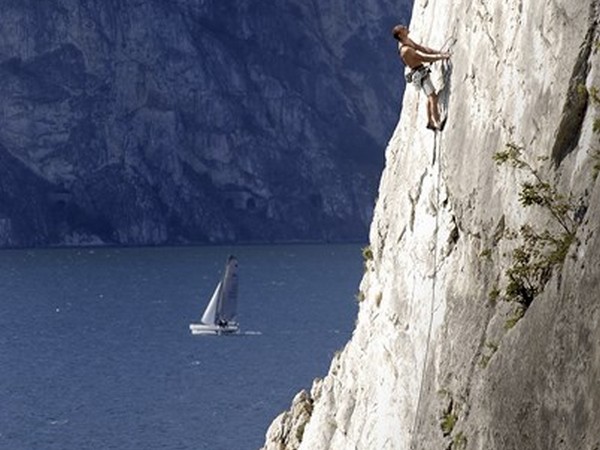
[479, 324]
[152, 121]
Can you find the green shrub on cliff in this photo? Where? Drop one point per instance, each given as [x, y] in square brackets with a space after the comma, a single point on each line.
[540, 252]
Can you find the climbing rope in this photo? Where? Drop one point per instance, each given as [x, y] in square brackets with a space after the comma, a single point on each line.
[448, 42]
[437, 141]
[437, 153]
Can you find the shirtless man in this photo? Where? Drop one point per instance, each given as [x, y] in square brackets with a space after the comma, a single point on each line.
[414, 55]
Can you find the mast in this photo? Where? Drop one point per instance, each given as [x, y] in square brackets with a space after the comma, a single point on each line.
[227, 304]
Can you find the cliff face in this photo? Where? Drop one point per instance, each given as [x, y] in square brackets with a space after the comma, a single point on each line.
[149, 122]
[476, 331]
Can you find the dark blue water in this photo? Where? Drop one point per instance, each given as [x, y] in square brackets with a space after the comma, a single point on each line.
[95, 351]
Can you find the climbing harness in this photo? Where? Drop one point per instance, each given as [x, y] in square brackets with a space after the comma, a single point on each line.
[417, 74]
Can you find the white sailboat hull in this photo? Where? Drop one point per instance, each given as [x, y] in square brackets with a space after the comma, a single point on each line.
[202, 328]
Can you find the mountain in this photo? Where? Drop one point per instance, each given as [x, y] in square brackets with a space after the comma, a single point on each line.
[479, 321]
[155, 122]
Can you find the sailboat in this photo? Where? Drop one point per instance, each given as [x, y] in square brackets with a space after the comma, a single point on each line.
[220, 313]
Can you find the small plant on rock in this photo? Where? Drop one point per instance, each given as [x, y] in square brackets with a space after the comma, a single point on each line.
[594, 95]
[494, 295]
[486, 254]
[367, 254]
[517, 315]
[448, 419]
[447, 423]
[459, 441]
[360, 296]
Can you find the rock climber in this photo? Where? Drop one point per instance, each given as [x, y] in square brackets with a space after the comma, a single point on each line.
[414, 56]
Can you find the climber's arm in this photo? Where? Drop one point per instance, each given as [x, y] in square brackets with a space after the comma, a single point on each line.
[422, 48]
[414, 57]
[432, 57]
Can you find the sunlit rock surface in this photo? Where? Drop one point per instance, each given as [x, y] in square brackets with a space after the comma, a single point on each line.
[148, 122]
[433, 362]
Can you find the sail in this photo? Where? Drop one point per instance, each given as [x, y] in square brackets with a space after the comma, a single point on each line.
[227, 307]
[210, 313]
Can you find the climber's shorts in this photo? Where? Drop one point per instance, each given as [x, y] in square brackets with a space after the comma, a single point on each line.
[426, 85]
[419, 76]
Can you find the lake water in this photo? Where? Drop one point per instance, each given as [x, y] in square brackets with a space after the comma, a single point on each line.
[95, 351]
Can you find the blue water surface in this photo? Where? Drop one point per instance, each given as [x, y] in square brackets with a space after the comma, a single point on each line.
[95, 351]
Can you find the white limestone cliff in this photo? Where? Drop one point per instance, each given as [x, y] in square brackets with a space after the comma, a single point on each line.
[431, 363]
